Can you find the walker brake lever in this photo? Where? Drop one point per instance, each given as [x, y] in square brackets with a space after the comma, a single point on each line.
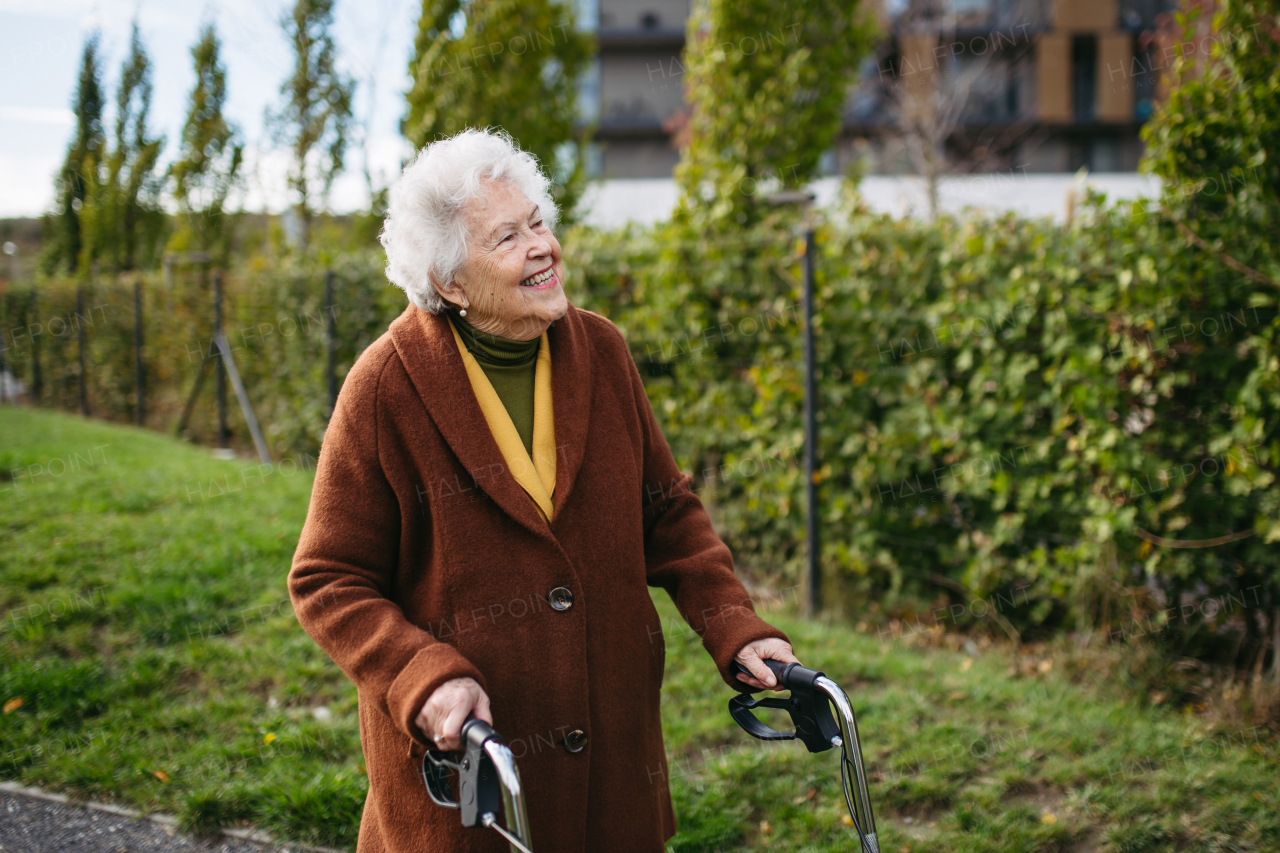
[488, 782]
[810, 711]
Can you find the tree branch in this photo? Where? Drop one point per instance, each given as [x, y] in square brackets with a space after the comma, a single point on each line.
[1197, 240]
[993, 615]
[1191, 543]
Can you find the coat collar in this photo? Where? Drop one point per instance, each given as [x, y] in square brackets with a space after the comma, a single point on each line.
[430, 355]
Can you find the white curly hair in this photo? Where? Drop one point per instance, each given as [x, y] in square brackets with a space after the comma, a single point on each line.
[424, 234]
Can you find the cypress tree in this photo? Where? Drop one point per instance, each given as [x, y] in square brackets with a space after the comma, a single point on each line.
[767, 83]
[314, 121]
[512, 64]
[210, 156]
[129, 220]
[83, 154]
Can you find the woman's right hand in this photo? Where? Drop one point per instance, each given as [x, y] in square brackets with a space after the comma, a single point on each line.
[446, 709]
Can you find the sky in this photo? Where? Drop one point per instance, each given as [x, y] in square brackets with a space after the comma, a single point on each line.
[40, 44]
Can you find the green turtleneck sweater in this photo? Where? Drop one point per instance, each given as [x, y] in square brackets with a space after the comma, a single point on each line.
[509, 366]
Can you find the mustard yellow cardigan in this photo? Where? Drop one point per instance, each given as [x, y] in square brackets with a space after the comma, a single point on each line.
[537, 476]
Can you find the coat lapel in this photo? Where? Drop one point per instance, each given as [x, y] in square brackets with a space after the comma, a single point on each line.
[571, 383]
[430, 354]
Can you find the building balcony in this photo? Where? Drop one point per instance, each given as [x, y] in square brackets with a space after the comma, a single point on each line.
[630, 127]
[645, 38]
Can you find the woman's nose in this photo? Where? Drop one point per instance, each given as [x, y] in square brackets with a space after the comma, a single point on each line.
[539, 247]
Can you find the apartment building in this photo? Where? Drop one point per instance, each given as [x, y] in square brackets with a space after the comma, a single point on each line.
[634, 88]
[994, 85]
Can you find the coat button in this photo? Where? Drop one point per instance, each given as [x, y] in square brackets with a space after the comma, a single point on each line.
[560, 598]
[575, 740]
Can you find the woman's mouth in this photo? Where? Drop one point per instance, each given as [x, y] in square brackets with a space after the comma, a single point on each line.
[541, 281]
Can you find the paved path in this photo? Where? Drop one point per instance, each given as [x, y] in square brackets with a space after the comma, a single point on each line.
[31, 825]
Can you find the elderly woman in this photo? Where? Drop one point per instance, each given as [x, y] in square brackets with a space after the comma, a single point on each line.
[493, 499]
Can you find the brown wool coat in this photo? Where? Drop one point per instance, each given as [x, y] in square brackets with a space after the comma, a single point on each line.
[423, 560]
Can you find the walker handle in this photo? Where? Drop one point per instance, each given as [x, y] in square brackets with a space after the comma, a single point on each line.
[810, 712]
[487, 778]
[810, 705]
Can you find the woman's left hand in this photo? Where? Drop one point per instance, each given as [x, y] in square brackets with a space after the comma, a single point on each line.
[752, 654]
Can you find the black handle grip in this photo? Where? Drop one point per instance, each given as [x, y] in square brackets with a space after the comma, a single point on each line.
[788, 674]
[468, 725]
[477, 731]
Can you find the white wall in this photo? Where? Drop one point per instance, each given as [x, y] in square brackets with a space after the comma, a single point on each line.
[647, 200]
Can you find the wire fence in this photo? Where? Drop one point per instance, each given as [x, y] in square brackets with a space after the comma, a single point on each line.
[143, 348]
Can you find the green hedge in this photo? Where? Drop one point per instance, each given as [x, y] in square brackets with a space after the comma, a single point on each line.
[1006, 407]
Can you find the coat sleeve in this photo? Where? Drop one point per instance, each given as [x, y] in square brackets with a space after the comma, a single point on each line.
[683, 554]
[343, 571]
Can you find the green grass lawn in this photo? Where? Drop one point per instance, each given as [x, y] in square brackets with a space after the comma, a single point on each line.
[151, 657]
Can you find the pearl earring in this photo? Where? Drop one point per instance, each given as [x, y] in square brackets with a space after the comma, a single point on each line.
[462, 312]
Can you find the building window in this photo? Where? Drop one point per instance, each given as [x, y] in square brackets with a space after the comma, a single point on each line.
[1098, 154]
[588, 15]
[1011, 108]
[972, 12]
[594, 160]
[1084, 71]
[1144, 83]
[1104, 155]
[589, 92]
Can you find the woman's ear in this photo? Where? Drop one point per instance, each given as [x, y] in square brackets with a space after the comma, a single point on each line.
[450, 293]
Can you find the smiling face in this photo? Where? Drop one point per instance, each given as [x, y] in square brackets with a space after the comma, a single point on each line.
[512, 283]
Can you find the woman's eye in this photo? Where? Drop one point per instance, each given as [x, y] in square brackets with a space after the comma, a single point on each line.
[505, 239]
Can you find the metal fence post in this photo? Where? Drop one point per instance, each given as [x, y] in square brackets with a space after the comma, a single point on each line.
[331, 343]
[139, 370]
[37, 380]
[220, 364]
[84, 388]
[811, 434]
[8, 386]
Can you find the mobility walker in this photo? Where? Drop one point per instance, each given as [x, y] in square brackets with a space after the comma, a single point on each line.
[810, 702]
[488, 778]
